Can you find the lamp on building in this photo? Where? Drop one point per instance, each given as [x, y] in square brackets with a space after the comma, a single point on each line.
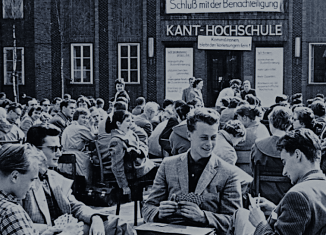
[150, 47]
[297, 50]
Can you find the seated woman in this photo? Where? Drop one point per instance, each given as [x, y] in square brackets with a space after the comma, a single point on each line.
[233, 132]
[19, 167]
[265, 153]
[32, 118]
[74, 139]
[121, 152]
[228, 113]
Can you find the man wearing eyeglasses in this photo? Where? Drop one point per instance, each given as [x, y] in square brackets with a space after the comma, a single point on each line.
[8, 127]
[51, 196]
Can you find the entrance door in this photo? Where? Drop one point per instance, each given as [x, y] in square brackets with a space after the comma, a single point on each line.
[222, 66]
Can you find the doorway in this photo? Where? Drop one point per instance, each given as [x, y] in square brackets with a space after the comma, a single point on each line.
[222, 66]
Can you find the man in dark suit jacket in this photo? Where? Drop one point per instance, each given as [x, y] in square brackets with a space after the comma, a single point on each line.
[303, 208]
[144, 120]
[63, 118]
[186, 91]
[200, 173]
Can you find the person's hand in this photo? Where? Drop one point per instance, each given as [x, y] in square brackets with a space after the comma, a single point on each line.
[126, 190]
[265, 205]
[256, 216]
[97, 226]
[73, 229]
[167, 208]
[51, 231]
[192, 211]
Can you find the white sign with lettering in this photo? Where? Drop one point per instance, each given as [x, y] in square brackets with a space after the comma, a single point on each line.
[269, 74]
[178, 70]
[224, 43]
[220, 6]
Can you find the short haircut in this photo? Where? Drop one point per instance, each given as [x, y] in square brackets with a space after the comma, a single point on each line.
[54, 101]
[196, 82]
[249, 111]
[225, 101]
[65, 103]
[99, 101]
[118, 116]
[303, 139]
[34, 108]
[83, 100]
[151, 107]
[120, 106]
[318, 108]
[235, 82]
[320, 95]
[235, 128]
[234, 101]
[178, 103]
[166, 103]
[92, 109]
[281, 98]
[13, 107]
[78, 112]
[246, 82]
[67, 96]
[119, 81]
[36, 134]
[191, 78]
[140, 101]
[252, 100]
[2, 94]
[280, 118]
[205, 115]
[305, 116]
[182, 111]
[18, 157]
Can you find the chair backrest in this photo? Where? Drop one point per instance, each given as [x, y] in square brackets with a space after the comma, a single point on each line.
[165, 145]
[70, 158]
[243, 160]
[3, 142]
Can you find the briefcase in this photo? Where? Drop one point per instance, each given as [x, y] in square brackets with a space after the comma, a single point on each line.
[160, 228]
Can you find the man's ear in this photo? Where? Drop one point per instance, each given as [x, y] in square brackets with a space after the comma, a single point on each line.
[14, 176]
[189, 135]
[298, 155]
[118, 124]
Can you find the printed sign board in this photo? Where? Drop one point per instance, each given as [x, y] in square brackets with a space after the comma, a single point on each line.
[224, 43]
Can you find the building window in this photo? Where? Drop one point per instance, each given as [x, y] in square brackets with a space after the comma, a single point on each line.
[13, 9]
[317, 63]
[82, 63]
[8, 65]
[129, 62]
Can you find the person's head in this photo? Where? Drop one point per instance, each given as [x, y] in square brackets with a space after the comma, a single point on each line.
[303, 117]
[198, 83]
[167, 114]
[191, 81]
[166, 103]
[83, 102]
[45, 104]
[99, 103]
[300, 153]
[120, 84]
[46, 137]
[14, 112]
[176, 104]
[318, 108]
[235, 84]
[252, 100]
[319, 95]
[3, 96]
[67, 97]
[246, 86]
[32, 103]
[280, 118]
[120, 106]
[202, 127]
[151, 109]
[247, 114]
[234, 101]
[121, 120]
[68, 107]
[95, 114]
[236, 130]
[225, 101]
[82, 116]
[281, 99]
[19, 167]
[56, 103]
[35, 112]
[297, 99]
[140, 101]
[182, 111]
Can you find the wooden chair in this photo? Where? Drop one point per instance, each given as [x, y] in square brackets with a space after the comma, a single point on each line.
[244, 159]
[165, 147]
[3, 142]
[70, 158]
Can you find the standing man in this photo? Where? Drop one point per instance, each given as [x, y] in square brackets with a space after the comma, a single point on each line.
[186, 92]
[63, 118]
[247, 90]
[51, 197]
[197, 172]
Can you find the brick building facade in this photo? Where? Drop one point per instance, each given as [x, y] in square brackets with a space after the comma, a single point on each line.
[100, 40]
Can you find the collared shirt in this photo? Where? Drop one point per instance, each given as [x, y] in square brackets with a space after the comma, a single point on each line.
[195, 169]
[14, 219]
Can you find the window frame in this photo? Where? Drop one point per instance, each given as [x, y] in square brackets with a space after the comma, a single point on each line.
[311, 63]
[82, 61]
[129, 57]
[5, 78]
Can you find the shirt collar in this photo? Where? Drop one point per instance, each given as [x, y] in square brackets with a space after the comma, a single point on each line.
[202, 161]
[312, 175]
[8, 197]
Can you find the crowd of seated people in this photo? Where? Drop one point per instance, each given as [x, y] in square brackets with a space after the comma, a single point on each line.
[199, 149]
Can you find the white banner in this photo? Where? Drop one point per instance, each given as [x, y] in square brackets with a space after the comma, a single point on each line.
[224, 43]
[178, 70]
[221, 6]
[269, 74]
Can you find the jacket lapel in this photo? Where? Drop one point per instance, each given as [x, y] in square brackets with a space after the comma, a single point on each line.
[207, 175]
[183, 173]
[40, 199]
